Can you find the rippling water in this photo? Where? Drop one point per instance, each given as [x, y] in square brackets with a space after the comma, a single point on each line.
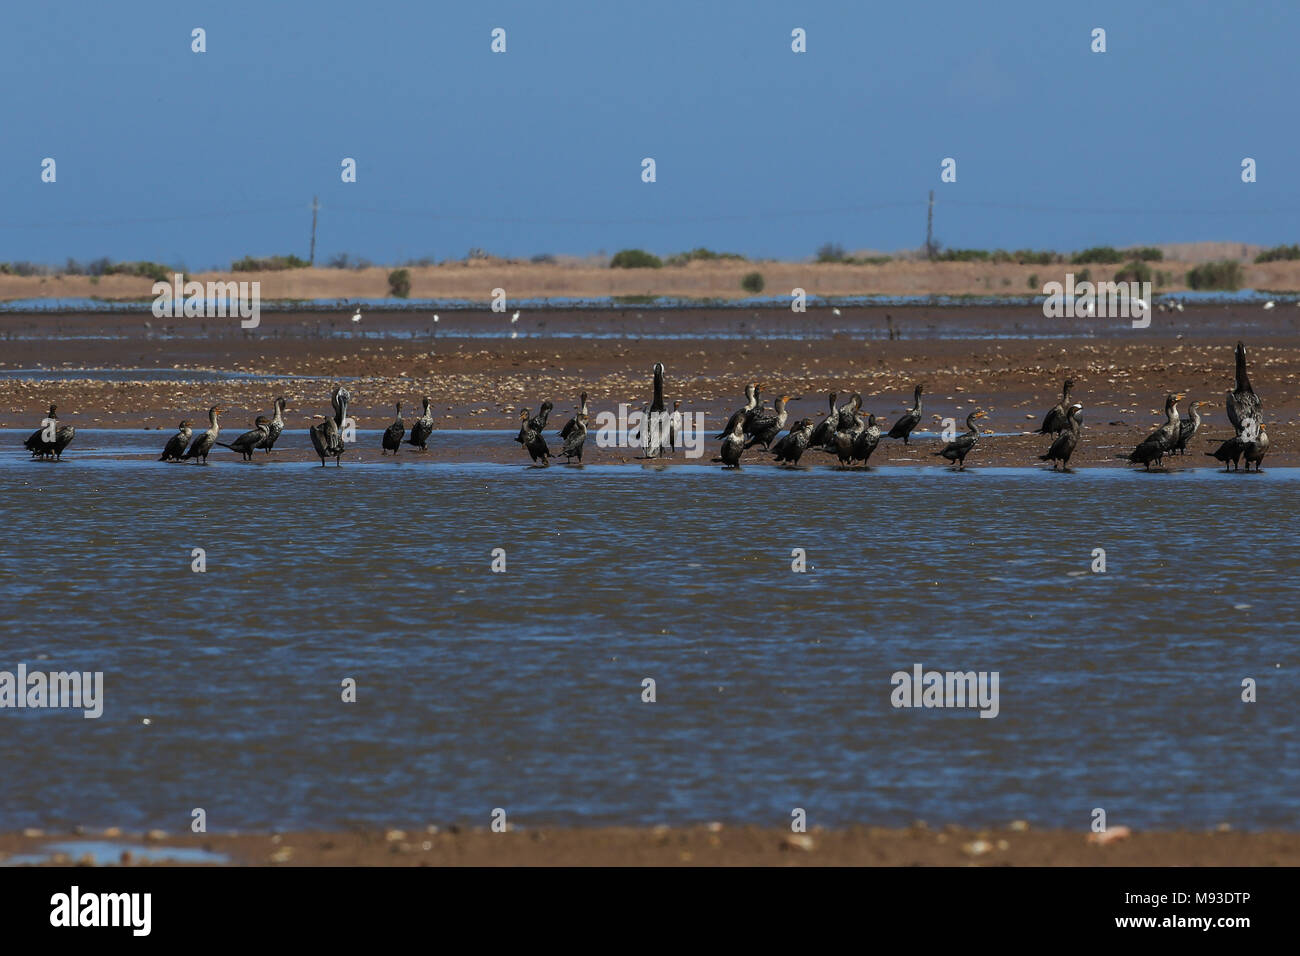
[522, 690]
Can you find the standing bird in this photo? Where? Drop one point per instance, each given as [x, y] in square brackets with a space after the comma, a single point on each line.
[957, 449]
[1230, 453]
[538, 421]
[823, 435]
[36, 442]
[1187, 430]
[533, 440]
[867, 440]
[1242, 404]
[202, 444]
[249, 441]
[791, 448]
[904, 426]
[760, 408]
[653, 436]
[1158, 444]
[1065, 443]
[175, 449]
[1256, 450]
[733, 446]
[572, 423]
[575, 440]
[275, 425]
[751, 402]
[422, 427]
[392, 440]
[675, 427]
[327, 436]
[1058, 418]
[356, 316]
[60, 437]
[765, 428]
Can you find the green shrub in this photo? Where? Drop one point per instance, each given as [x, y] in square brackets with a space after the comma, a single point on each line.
[1225, 276]
[635, 259]
[1279, 254]
[399, 283]
[830, 252]
[1146, 254]
[269, 264]
[1104, 255]
[1033, 282]
[1135, 271]
[963, 255]
[147, 270]
[752, 282]
[703, 255]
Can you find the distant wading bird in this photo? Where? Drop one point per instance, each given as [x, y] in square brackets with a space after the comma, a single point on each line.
[959, 448]
[392, 440]
[203, 443]
[1068, 439]
[422, 427]
[327, 436]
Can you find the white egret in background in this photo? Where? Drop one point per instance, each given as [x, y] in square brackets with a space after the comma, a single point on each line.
[1269, 304]
[356, 316]
[514, 318]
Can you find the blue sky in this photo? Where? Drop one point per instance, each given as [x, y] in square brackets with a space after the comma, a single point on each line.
[195, 160]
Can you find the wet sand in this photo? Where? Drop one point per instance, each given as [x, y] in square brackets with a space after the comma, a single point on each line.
[1122, 374]
[707, 845]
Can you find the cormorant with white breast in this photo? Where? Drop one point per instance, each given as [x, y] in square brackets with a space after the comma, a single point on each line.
[327, 436]
[202, 444]
[422, 427]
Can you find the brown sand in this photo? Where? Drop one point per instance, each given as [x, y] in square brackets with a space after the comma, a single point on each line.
[1122, 374]
[715, 845]
[474, 280]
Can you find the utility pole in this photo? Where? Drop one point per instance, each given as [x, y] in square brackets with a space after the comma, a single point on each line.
[315, 205]
[930, 228]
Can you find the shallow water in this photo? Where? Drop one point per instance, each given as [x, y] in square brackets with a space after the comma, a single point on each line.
[522, 690]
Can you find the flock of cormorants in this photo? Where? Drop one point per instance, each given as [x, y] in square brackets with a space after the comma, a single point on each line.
[843, 431]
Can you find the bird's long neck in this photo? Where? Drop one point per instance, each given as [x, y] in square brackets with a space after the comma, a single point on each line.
[659, 387]
[582, 409]
[1243, 381]
[970, 425]
[917, 402]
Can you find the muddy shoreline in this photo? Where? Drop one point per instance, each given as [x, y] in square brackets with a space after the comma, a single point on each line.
[967, 357]
[1016, 844]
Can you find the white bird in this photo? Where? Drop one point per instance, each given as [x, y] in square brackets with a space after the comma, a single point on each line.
[1178, 306]
[514, 318]
[1269, 304]
[356, 316]
[836, 311]
[435, 317]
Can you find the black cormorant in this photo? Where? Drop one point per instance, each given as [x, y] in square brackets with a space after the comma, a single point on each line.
[1156, 445]
[327, 436]
[175, 449]
[795, 443]
[733, 446]
[274, 425]
[250, 441]
[1065, 443]
[751, 402]
[392, 440]
[957, 449]
[867, 440]
[904, 426]
[577, 437]
[1254, 451]
[764, 428]
[1058, 418]
[573, 422]
[1230, 453]
[203, 443]
[533, 440]
[823, 435]
[422, 427]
